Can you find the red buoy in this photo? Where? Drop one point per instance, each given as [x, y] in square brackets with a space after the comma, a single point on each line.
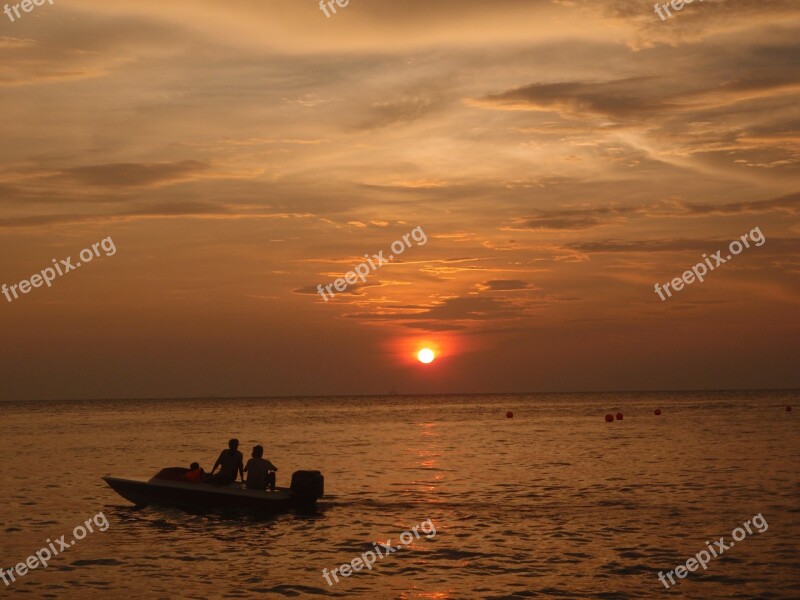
[657, 411]
[619, 416]
[609, 418]
[788, 409]
[509, 415]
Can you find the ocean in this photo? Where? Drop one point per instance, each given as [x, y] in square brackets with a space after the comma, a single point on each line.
[552, 503]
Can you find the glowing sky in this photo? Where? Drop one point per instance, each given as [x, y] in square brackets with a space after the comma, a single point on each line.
[561, 156]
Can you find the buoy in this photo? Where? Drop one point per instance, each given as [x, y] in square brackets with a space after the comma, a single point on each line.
[619, 416]
[509, 415]
[788, 409]
[609, 418]
[657, 411]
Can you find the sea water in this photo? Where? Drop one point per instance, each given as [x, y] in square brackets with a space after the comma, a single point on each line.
[554, 502]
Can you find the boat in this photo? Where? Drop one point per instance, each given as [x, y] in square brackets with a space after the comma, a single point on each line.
[169, 488]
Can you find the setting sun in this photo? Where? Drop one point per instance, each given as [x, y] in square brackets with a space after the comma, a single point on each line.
[426, 355]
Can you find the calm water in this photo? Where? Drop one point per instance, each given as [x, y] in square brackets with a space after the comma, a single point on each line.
[552, 503]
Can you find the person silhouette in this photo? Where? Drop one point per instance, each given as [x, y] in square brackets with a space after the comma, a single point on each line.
[230, 463]
[260, 472]
[195, 473]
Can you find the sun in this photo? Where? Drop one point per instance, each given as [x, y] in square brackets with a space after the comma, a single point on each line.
[426, 355]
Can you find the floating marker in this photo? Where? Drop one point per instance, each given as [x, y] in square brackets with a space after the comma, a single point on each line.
[509, 415]
[619, 416]
[609, 418]
[657, 411]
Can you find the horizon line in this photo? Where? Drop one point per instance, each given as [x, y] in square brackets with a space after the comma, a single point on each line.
[395, 394]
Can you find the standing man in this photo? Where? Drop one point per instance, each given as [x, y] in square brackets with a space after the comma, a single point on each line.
[230, 461]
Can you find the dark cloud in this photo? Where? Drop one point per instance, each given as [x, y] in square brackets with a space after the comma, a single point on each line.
[157, 210]
[586, 218]
[10, 193]
[433, 326]
[78, 47]
[621, 98]
[451, 311]
[772, 245]
[571, 220]
[135, 174]
[789, 204]
[633, 98]
[401, 111]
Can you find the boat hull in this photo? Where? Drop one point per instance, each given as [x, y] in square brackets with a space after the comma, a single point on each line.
[204, 496]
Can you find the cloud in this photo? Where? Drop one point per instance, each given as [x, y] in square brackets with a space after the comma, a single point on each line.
[503, 285]
[433, 326]
[772, 245]
[135, 174]
[351, 290]
[621, 98]
[7, 42]
[572, 220]
[789, 204]
[590, 217]
[634, 98]
[401, 111]
[76, 46]
[449, 313]
[160, 210]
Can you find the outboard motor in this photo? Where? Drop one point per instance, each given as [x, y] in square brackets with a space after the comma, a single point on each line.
[308, 486]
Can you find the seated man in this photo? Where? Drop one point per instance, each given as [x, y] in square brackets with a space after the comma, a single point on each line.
[195, 473]
[260, 472]
[230, 461]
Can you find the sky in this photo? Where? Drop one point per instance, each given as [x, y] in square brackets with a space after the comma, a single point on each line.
[561, 157]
